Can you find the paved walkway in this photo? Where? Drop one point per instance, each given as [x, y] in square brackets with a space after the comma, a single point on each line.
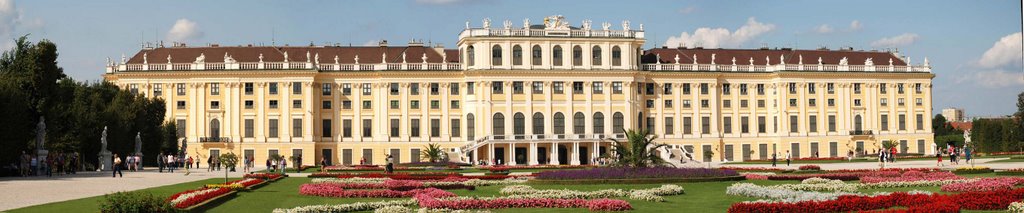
[898, 164]
[28, 191]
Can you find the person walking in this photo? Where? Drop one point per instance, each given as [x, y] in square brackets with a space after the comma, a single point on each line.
[117, 166]
[881, 158]
[209, 163]
[170, 163]
[160, 162]
[938, 154]
[788, 156]
[774, 159]
[269, 165]
[284, 165]
[967, 154]
[389, 167]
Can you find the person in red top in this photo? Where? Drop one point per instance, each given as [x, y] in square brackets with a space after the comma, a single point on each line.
[892, 152]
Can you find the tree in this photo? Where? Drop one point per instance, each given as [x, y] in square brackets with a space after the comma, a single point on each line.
[228, 160]
[638, 151]
[432, 152]
[169, 142]
[939, 126]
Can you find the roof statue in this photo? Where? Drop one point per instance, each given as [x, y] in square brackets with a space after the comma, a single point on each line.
[801, 59]
[307, 56]
[508, 24]
[844, 62]
[124, 60]
[109, 62]
[625, 25]
[782, 59]
[868, 62]
[200, 59]
[751, 61]
[657, 58]
[487, 23]
[556, 22]
[145, 58]
[734, 61]
[336, 59]
[526, 23]
[890, 62]
[316, 58]
[168, 58]
[467, 24]
[424, 58]
[712, 58]
[908, 60]
[261, 57]
[384, 57]
[444, 57]
[357, 59]
[403, 57]
[586, 24]
[819, 60]
[926, 62]
[641, 27]
[285, 56]
[605, 26]
[677, 58]
[229, 59]
[694, 58]
[767, 61]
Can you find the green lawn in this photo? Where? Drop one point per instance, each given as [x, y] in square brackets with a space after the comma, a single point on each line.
[1010, 160]
[699, 197]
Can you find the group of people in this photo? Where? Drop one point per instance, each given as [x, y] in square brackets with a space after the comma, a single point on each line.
[886, 156]
[954, 153]
[277, 165]
[775, 158]
[53, 162]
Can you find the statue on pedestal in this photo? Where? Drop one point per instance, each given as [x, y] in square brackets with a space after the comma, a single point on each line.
[105, 157]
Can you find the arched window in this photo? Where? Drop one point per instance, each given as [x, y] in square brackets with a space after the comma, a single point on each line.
[617, 123]
[577, 56]
[498, 124]
[595, 56]
[215, 128]
[598, 123]
[536, 55]
[496, 55]
[556, 56]
[519, 125]
[616, 56]
[538, 123]
[578, 125]
[470, 127]
[470, 55]
[517, 55]
[559, 124]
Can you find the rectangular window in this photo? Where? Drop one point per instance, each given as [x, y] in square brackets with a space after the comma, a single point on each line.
[346, 89]
[134, 89]
[435, 128]
[686, 103]
[454, 88]
[180, 124]
[497, 87]
[367, 105]
[617, 87]
[577, 87]
[744, 124]
[760, 89]
[727, 103]
[456, 125]
[810, 88]
[687, 125]
[856, 88]
[346, 128]
[414, 104]
[598, 87]
[414, 127]
[272, 128]
[518, 87]
[181, 88]
[705, 125]
[435, 89]
[214, 89]
[669, 126]
[158, 90]
[325, 105]
[885, 122]
[650, 104]
[832, 123]
[272, 88]
[249, 125]
[249, 104]
[792, 102]
[538, 87]
[812, 123]
[743, 104]
[296, 88]
[297, 104]
[705, 103]
[902, 122]
[726, 89]
[470, 88]
[686, 89]
[727, 125]
[326, 128]
[367, 89]
[668, 103]
[703, 88]
[762, 124]
[180, 105]
[831, 87]
[812, 102]
[367, 128]
[792, 88]
[435, 104]
[919, 101]
[414, 88]
[881, 88]
[899, 88]
[326, 89]
[214, 104]
[667, 88]
[760, 103]
[395, 125]
[650, 124]
[393, 88]
[900, 101]
[455, 104]
[558, 87]
[831, 102]
[248, 88]
[917, 88]
[793, 124]
[296, 127]
[920, 122]
[394, 104]
[346, 104]
[273, 104]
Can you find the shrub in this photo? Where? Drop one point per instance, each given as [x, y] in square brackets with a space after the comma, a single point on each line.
[133, 202]
[1015, 172]
[972, 170]
[810, 168]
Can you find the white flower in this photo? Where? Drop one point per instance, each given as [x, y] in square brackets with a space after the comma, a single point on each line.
[186, 196]
[351, 207]
[393, 209]
[1016, 207]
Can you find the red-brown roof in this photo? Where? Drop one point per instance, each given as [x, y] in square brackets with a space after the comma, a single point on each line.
[965, 125]
[346, 55]
[743, 56]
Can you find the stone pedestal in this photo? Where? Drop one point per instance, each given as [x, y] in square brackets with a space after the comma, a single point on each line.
[106, 161]
[140, 159]
[41, 155]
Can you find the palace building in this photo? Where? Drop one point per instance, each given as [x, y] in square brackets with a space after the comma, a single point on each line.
[549, 93]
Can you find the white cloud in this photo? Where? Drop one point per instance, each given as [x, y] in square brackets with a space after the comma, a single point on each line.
[10, 16]
[995, 78]
[1005, 52]
[896, 41]
[855, 25]
[687, 10]
[184, 30]
[721, 37]
[824, 29]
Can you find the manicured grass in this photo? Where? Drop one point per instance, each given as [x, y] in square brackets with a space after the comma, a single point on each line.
[1010, 160]
[699, 197]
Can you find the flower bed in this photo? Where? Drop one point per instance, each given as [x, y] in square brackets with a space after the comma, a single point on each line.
[653, 194]
[810, 168]
[1015, 172]
[755, 169]
[972, 170]
[781, 194]
[351, 207]
[190, 198]
[983, 184]
[757, 175]
[333, 190]
[833, 176]
[990, 200]
[900, 170]
[265, 176]
[637, 173]
[427, 201]
[909, 176]
[1016, 207]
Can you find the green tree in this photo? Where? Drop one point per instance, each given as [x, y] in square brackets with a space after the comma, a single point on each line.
[432, 152]
[169, 142]
[229, 160]
[638, 150]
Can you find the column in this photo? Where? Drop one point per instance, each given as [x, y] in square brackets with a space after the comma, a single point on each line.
[310, 107]
[512, 154]
[533, 154]
[575, 154]
[261, 106]
[285, 126]
[554, 153]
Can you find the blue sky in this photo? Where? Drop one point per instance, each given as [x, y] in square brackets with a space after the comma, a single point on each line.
[974, 46]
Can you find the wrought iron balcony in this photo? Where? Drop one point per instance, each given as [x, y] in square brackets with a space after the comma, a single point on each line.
[860, 132]
[214, 139]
